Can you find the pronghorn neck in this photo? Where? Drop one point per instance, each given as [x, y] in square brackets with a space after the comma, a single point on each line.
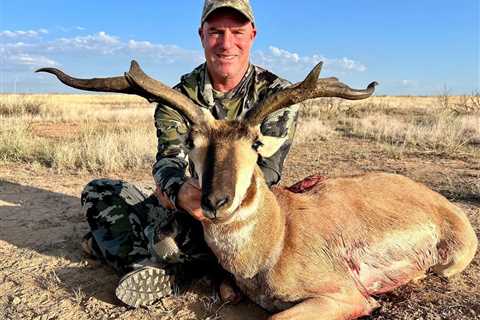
[252, 239]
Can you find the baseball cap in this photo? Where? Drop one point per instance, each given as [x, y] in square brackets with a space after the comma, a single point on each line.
[242, 6]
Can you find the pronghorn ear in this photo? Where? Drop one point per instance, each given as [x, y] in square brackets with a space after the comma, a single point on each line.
[209, 118]
[270, 145]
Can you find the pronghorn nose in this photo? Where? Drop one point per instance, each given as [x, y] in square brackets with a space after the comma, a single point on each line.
[210, 205]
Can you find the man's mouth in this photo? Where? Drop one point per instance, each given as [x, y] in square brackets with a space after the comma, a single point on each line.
[226, 57]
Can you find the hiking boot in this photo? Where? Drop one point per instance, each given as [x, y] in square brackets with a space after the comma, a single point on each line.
[143, 286]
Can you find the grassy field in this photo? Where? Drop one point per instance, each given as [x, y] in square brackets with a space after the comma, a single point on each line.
[77, 132]
[111, 133]
[52, 145]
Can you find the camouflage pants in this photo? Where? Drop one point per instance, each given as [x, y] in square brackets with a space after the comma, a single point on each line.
[126, 225]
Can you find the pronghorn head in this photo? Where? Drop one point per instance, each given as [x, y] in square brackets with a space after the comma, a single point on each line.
[224, 153]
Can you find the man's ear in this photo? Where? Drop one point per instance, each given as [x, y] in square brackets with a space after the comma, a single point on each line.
[254, 32]
[270, 145]
[200, 34]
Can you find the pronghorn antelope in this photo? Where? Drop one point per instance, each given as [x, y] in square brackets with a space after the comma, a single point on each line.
[321, 254]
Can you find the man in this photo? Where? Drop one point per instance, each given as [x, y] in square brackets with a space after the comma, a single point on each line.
[152, 241]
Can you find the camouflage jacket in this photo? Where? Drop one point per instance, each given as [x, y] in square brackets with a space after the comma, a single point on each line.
[169, 170]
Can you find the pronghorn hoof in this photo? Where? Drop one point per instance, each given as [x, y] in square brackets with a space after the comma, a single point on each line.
[229, 292]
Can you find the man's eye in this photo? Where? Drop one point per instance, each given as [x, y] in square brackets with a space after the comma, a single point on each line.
[256, 145]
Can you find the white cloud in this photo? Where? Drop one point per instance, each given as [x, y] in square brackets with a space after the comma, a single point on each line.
[140, 45]
[100, 42]
[104, 37]
[70, 29]
[27, 52]
[349, 64]
[408, 83]
[23, 33]
[106, 44]
[284, 54]
[277, 58]
[33, 60]
[26, 62]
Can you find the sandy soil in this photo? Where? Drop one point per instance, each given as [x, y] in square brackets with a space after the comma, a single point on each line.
[44, 276]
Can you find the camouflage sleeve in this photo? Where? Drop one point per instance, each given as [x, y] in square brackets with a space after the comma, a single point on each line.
[280, 124]
[171, 161]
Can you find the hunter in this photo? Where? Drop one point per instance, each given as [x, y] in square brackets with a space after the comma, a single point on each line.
[152, 241]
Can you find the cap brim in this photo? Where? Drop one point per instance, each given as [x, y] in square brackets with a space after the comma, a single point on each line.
[220, 6]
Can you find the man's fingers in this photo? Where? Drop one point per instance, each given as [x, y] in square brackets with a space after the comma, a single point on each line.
[197, 214]
[194, 183]
[163, 199]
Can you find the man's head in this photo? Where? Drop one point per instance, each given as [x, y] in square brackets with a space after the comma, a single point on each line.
[227, 33]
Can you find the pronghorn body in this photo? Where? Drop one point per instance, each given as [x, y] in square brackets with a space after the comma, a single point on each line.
[317, 255]
[341, 242]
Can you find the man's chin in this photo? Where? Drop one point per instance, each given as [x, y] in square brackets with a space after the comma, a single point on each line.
[226, 73]
[227, 69]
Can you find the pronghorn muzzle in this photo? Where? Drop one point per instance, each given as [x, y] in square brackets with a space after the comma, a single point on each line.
[212, 204]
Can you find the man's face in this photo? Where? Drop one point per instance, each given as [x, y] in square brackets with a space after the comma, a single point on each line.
[227, 38]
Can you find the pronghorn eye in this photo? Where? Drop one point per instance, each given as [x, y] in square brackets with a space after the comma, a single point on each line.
[256, 145]
[189, 143]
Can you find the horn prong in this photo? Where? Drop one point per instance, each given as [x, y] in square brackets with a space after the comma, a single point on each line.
[311, 79]
[311, 87]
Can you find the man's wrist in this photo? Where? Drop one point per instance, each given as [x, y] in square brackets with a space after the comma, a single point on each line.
[171, 190]
[177, 198]
[176, 190]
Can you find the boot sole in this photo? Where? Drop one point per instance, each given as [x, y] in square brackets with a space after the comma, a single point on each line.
[144, 286]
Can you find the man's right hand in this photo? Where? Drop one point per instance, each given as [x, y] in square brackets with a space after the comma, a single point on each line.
[189, 199]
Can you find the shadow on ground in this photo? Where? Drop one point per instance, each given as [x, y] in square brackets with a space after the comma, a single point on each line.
[40, 220]
[41, 233]
[52, 224]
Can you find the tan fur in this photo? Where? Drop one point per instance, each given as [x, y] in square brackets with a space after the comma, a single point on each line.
[197, 155]
[322, 254]
[244, 173]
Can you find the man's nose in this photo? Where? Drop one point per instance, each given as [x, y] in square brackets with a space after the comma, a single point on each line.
[227, 40]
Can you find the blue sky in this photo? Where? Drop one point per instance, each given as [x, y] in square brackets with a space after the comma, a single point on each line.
[410, 47]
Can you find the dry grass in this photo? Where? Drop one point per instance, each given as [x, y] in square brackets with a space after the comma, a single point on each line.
[59, 108]
[442, 133]
[96, 147]
[94, 133]
[413, 124]
[110, 133]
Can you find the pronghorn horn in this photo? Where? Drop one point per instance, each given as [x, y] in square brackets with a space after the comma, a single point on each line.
[112, 84]
[136, 82]
[167, 95]
[310, 88]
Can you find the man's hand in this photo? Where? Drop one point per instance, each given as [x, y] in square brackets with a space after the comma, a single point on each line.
[189, 199]
[163, 199]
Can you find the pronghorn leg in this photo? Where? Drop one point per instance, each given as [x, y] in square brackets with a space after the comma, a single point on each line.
[329, 308]
[458, 262]
[460, 256]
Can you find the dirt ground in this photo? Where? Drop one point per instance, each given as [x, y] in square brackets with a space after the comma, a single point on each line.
[44, 276]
